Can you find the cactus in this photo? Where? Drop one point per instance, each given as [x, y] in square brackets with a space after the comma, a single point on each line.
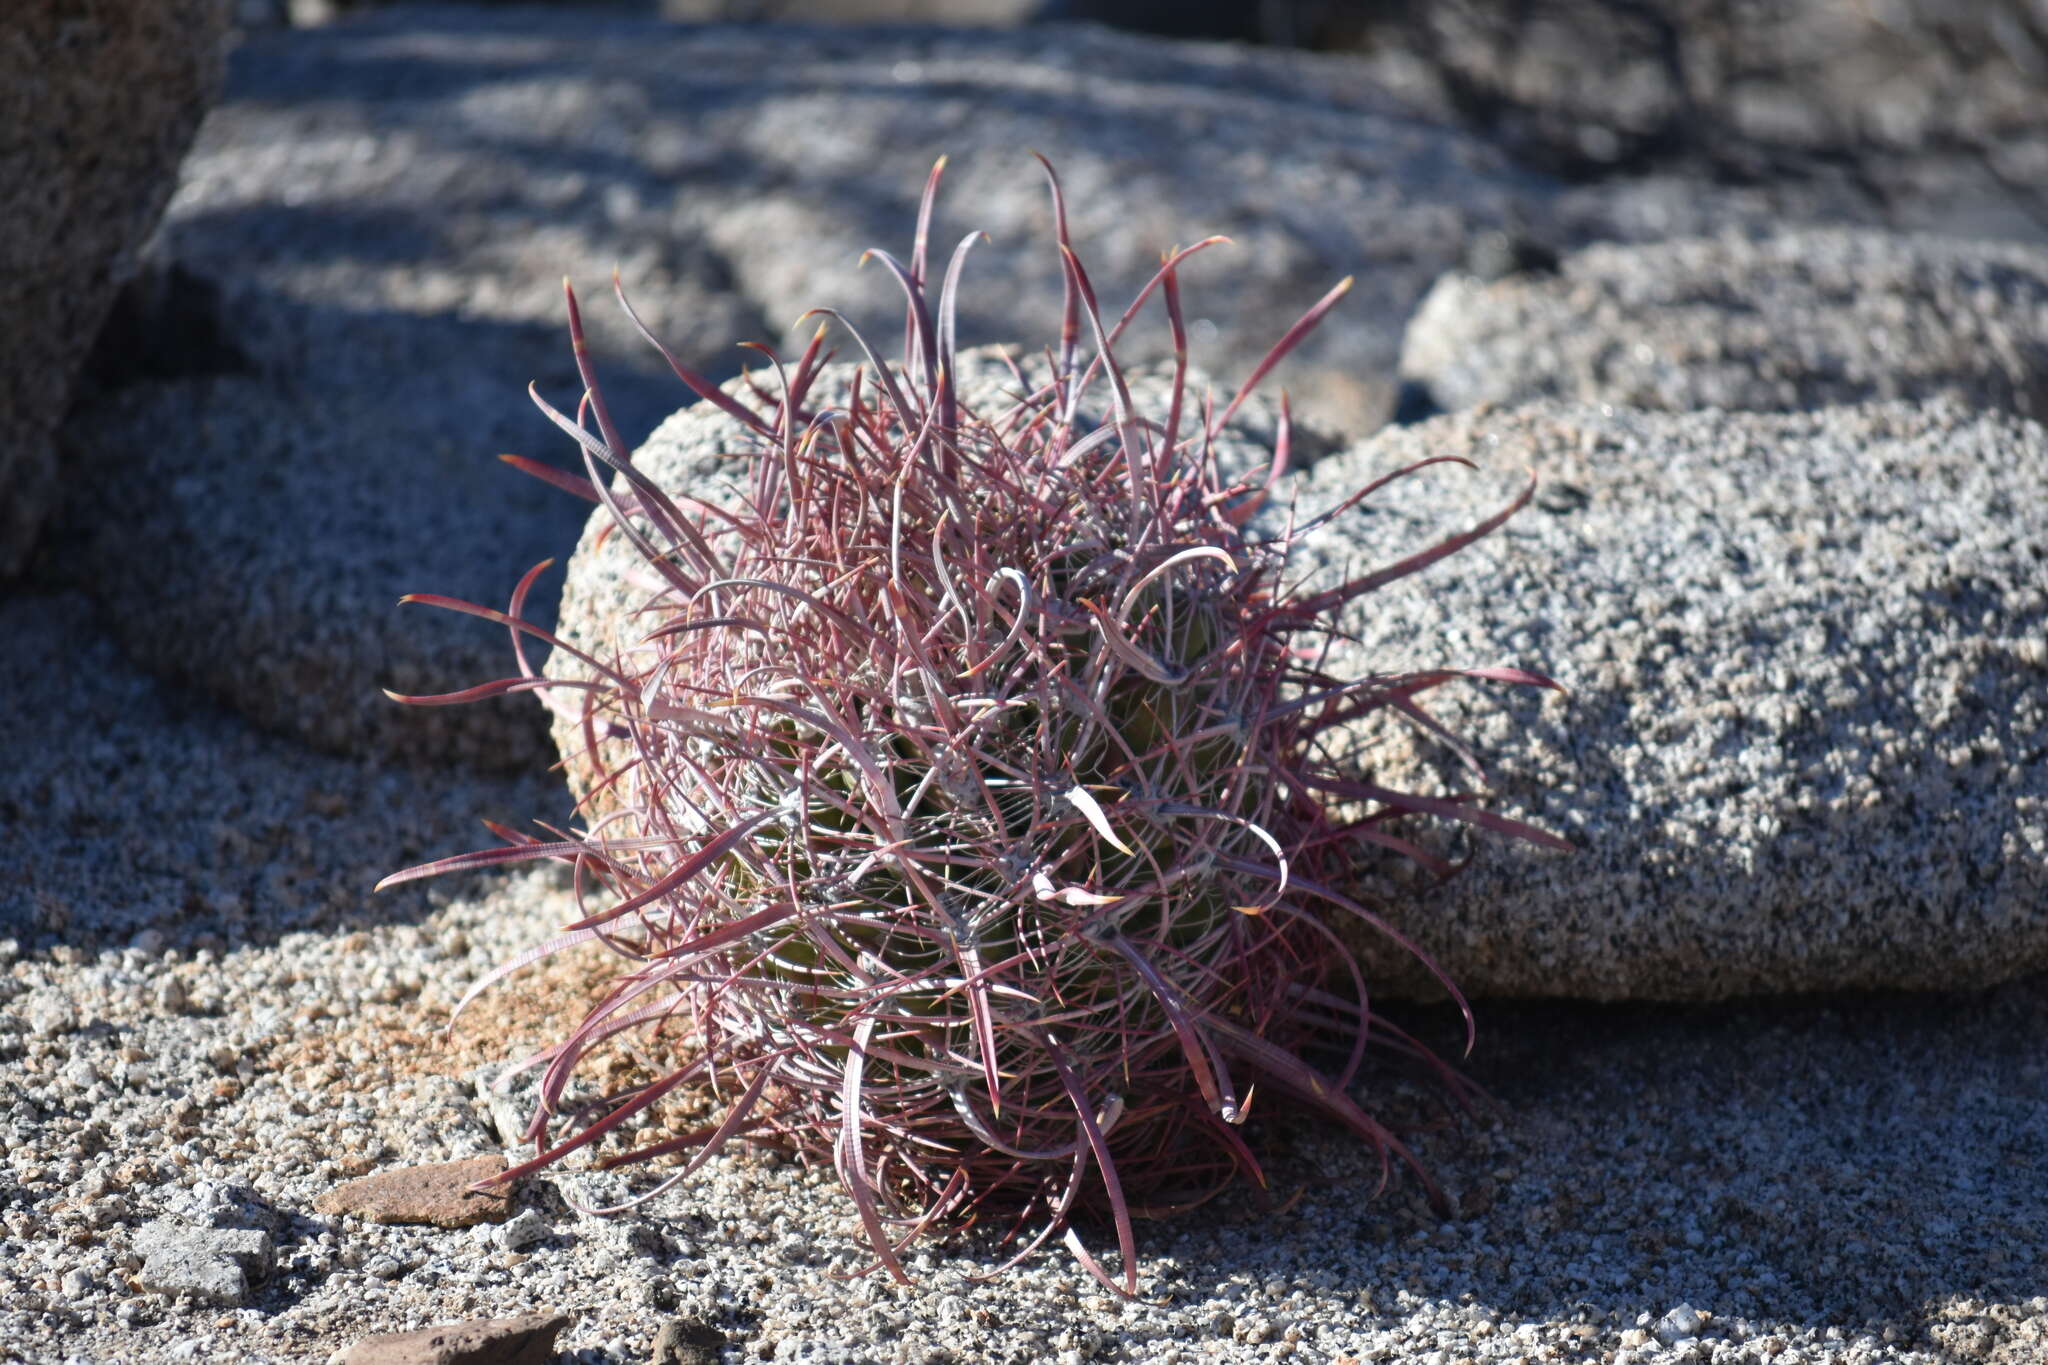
[955, 799]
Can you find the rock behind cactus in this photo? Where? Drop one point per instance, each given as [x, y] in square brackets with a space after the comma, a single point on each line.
[97, 106]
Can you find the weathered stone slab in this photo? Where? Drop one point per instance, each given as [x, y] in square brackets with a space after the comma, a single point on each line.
[525, 1340]
[213, 1265]
[1806, 742]
[437, 1195]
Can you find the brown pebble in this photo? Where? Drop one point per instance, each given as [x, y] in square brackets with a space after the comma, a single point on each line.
[527, 1340]
[688, 1341]
[437, 1195]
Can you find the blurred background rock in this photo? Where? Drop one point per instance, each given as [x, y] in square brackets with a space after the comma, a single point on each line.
[310, 13]
[97, 107]
[1749, 89]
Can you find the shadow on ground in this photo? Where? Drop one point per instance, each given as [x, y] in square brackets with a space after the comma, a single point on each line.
[1863, 1163]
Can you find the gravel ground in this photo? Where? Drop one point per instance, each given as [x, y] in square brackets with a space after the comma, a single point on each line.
[204, 1014]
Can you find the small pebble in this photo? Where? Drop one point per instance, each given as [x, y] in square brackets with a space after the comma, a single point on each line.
[80, 1074]
[522, 1231]
[1678, 1324]
[50, 1018]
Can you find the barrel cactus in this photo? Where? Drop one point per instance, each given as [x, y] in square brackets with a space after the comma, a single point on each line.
[955, 794]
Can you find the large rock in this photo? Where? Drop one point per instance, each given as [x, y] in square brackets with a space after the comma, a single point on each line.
[389, 279]
[1795, 320]
[1807, 657]
[250, 535]
[97, 104]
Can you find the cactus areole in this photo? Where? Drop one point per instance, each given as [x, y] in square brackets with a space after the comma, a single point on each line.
[954, 799]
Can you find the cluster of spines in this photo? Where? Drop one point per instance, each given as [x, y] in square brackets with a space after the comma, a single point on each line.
[959, 796]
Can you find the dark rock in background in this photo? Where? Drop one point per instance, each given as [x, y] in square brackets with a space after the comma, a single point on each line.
[168, 322]
[1940, 103]
[1905, 96]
